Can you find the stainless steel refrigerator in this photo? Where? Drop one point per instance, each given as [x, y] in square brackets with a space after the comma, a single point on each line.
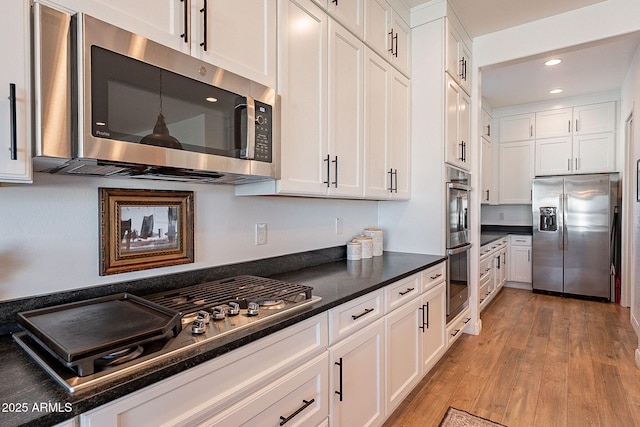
[572, 234]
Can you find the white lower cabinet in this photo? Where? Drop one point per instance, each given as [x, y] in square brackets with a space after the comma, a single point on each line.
[356, 381]
[520, 259]
[403, 342]
[457, 325]
[201, 393]
[433, 315]
[296, 399]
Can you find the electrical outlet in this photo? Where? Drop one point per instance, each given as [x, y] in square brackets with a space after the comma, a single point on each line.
[338, 225]
[261, 233]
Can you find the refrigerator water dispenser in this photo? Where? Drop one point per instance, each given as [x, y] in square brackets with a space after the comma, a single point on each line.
[548, 219]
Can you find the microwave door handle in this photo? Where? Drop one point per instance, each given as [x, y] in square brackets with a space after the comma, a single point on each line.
[250, 143]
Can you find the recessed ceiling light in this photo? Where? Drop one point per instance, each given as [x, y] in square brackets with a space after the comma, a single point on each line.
[554, 91]
[551, 62]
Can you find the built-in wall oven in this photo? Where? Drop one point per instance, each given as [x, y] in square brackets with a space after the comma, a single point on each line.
[458, 245]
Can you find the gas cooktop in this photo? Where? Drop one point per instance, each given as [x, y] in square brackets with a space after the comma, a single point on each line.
[94, 342]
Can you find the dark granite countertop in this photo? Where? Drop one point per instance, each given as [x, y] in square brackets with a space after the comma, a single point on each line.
[31, 397]
[491, 233]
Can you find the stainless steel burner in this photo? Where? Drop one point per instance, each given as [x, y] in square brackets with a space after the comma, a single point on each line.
[118, 357]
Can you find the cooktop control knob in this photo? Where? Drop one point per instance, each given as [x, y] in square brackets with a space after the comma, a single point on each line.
[253, 309]
[198, 327]
[204, 316]
[234, 309]
[219, 313]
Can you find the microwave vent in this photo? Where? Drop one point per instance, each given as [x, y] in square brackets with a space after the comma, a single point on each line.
[98, 170]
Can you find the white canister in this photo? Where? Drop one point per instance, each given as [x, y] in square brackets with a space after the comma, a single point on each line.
[376, 237]
[354, 251]
[367, 245]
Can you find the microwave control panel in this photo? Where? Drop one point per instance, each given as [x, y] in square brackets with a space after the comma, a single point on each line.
[264, 130]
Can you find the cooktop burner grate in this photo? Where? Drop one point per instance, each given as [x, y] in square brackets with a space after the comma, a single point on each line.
[241, 289]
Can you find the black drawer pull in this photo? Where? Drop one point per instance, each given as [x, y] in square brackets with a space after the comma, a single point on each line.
[339, 393]
[366, 311]
[457, 331]
[306, 404]
[435, 277]
[403, 293]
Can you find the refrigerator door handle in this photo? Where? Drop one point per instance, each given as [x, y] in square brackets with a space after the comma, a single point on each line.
[561, 223]
[565, 208]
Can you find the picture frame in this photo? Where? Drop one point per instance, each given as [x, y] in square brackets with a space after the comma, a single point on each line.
[144, 229]
[638, 180]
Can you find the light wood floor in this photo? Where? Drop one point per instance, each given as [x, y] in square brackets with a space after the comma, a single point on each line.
[540, 361]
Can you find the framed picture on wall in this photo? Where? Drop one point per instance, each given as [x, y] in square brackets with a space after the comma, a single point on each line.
[143, 229]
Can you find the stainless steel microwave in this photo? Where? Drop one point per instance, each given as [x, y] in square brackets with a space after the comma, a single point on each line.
[112, 103]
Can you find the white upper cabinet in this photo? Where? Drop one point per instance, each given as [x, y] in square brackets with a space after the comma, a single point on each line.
[485, 125]
[15, 149]
[519, 127]
[576, 140]
[208, 29]
[387, 125]
[346, 113]
[349, 13]
[388, 35]
[487, 171]
[552, 123]
[595, 118]
[582, 120]
[458, 53]
[458, 126]
[238, 35]
[516, 172]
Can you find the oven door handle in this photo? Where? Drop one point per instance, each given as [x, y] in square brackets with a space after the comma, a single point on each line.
[459, 250]
[458, 186]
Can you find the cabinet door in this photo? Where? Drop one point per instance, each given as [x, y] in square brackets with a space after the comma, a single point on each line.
[517, 128]
[166, 22]
[594, 153]
[520, 264]
[346, 114]
[377, 94]
[454, 60]
[399, 151]
[356, 378]
[485, 130]
[434, 311]
[516, 172]
[487, 171]
[465, 67]
[453, 151]
[378, 21]
[350, 14]
[401, 48]
[554, 156]
[402, 347]
[238, 35]
[464, 129]
[595, 118]
[15, 150]
[302, 82]
[553, 123]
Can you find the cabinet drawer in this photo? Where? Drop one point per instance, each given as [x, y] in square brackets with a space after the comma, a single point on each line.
[398, 293]
[434, 275]
[299, 398]
[455, 327]
[520, 240]
[208, 388]
[485, 250]
[354, 315]
[484, 268]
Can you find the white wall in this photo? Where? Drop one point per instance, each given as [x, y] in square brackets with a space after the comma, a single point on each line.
[49, 240]
[630, 101]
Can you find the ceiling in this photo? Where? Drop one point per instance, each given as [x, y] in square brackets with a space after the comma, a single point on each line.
[585, 69]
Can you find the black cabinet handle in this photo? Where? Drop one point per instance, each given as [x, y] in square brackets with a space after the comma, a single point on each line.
[334, 1]
[328, 181]
[403, 293]
[390, 188]
[203, 44]
[339, 393]
[390, 34]
[395, 39]
[422, 325]
[395, 188]
[365, 312]
[335, 183]
[305, 405]
[13, 121]
[427, 310]
[185, 11]
[458, 330]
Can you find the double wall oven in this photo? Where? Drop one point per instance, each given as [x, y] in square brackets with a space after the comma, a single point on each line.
[458, 246]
